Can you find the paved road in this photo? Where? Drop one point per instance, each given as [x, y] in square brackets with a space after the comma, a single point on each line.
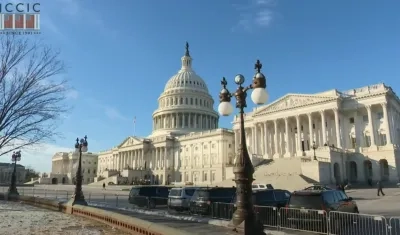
[20, 219]
[367, 200]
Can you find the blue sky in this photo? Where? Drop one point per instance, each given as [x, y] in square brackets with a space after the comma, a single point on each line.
[121, 53]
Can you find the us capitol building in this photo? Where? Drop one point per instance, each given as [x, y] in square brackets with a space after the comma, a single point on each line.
[330, 136]
[185, 145]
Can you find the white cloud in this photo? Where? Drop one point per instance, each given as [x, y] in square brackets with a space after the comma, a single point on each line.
[255, 14]
[38, 157]
[109, 111]
[113, 113]
[72, 94]
[74, 10]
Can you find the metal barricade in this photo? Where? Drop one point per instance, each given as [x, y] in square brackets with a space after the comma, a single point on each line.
[268, 215]
[220, 210]
[352, 223]
[394, 226]
[312, 221]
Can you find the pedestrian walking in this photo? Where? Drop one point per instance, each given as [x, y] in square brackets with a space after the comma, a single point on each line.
[104, 186]
[380, 187]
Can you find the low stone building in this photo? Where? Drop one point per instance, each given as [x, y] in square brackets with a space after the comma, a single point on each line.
[6, 170]
[64, 167]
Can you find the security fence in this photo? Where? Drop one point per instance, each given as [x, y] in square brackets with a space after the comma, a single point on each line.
[315, 221]
[310, 221]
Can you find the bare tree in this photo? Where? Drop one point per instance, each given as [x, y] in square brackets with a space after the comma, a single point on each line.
[31, 95]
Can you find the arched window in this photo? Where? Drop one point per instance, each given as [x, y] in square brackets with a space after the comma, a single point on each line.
[181, 101]
[191, 101]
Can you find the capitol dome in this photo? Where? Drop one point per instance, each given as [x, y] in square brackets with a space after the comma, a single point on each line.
[185, 105]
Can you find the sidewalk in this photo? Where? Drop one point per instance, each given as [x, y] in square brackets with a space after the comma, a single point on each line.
[21, 219]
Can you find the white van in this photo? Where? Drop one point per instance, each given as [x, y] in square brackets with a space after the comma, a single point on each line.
[179, 198]
[256, 187]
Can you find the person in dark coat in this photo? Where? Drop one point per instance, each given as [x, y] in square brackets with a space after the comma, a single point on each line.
[380, 187]
[104, 186]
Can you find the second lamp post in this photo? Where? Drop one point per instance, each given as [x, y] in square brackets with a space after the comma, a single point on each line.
[12, 191]
[81, 146]
[243, 168]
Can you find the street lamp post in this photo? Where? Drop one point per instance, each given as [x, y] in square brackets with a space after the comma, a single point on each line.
[243, 168]
[12, 191]
[81, 146]
[314, 147]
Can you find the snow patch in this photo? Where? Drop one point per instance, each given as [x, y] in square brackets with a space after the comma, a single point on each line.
[155, 212]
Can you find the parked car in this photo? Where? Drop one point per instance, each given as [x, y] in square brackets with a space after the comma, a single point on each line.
[261, 186]
[203, 198]
[267, 204]
[149, 196]
[318, 187]
[179, 198]
[308, 209]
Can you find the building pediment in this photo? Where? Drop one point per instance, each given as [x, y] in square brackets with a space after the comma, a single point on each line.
[291, 101]
[130, 141]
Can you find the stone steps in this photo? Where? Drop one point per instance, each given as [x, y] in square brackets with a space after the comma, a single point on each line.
[283, 173]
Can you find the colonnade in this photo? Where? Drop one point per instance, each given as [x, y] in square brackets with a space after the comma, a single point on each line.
[292, 135]
[185, 120]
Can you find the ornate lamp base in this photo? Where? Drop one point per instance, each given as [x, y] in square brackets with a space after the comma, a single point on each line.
[13, 194]
[77, 200]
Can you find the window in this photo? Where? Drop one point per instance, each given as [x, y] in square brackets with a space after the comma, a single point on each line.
[365, 118]
[205, 176]
[229, 145]
[329, 197]
[326, 124]
[351, 120]
[213, 176]
[379, 115]
[383, 139]
[301, 127]
[353, 142]
[88, 171]
[367, 140]
[313, 125]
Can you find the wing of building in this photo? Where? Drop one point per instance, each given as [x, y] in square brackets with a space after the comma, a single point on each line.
[185, 145]
[354, 135]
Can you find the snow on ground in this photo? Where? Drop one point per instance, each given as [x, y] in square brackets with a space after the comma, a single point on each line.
[163, 213]
[20, 219]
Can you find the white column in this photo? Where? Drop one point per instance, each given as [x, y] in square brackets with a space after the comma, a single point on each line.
[298, 142]
[287, 151]
[265, 137]
[387, 126]
[256, 145]
[310, 129]
[371, 125]
[337, 126]
[276, 154]
[323, 127]
[252, 140]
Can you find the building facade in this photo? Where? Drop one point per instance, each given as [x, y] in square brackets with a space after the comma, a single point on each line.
[185, 145]
[64, 167]
[6, 170]
[356, 131]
